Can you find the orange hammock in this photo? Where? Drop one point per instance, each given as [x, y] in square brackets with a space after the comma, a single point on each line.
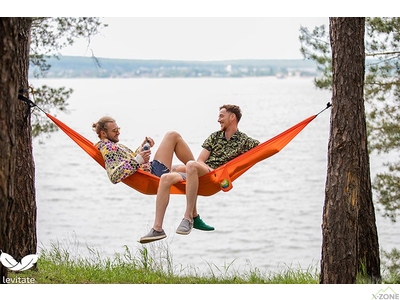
[209, 184]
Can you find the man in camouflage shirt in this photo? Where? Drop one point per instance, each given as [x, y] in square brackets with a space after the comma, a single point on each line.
[223, 150]
[219, 148]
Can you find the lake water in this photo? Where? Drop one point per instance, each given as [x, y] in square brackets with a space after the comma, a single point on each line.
[271, 219]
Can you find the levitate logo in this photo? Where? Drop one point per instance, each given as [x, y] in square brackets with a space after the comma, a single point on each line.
[26, 263]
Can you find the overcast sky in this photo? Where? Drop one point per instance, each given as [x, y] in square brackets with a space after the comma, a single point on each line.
[197, 38]
[196, 30]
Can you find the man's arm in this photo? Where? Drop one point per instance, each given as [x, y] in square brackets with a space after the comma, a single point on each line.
[203, 156]
[200, 164]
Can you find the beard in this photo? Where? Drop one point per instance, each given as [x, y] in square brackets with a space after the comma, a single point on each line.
[113, 139]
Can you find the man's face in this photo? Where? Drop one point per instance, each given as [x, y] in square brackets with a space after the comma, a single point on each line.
[225, 119]
[112, 132]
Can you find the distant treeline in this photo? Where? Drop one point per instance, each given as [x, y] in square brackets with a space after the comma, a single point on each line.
[88, 67]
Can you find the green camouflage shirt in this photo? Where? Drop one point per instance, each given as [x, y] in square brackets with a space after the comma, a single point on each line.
[223, 150]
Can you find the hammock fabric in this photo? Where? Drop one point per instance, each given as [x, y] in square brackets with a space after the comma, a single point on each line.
[209, 184]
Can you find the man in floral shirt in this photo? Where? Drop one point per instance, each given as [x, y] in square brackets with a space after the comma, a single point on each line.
[121, 162]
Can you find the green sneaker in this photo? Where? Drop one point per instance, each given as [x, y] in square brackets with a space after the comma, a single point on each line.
[200, 225]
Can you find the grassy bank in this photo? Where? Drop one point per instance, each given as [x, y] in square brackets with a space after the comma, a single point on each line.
[146, 266]
[149, 265]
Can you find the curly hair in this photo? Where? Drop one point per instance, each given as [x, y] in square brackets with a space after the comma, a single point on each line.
[233, 109]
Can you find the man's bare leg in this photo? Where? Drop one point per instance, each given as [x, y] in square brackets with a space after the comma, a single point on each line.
[173, 143]
[163, 196]
[194, 170]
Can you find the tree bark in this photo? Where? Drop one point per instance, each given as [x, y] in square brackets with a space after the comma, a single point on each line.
[9, 84]
[18, 203]
[349, 231]
[23, 217]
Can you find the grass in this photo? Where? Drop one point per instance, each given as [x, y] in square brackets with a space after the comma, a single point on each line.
[149, 265]
[152, 264]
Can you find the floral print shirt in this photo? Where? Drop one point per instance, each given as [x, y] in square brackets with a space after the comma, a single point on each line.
[119, 160]
[223, 150]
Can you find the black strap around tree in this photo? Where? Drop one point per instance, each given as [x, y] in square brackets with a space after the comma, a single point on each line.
[27, 100]
[327, 106]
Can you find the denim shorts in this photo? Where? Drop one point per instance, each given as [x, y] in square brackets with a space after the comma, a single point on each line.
[158, 168]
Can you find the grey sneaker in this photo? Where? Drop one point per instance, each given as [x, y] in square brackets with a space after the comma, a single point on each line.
[152, 236]
[185, 227]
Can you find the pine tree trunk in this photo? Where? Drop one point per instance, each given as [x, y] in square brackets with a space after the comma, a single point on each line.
[24, 239]
[9, 84]
[349, 229]
[18, 213]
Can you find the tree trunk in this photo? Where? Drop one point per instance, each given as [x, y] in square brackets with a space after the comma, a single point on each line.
[9, 84]
[349, 230]
[23, 238]
[18, 218]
